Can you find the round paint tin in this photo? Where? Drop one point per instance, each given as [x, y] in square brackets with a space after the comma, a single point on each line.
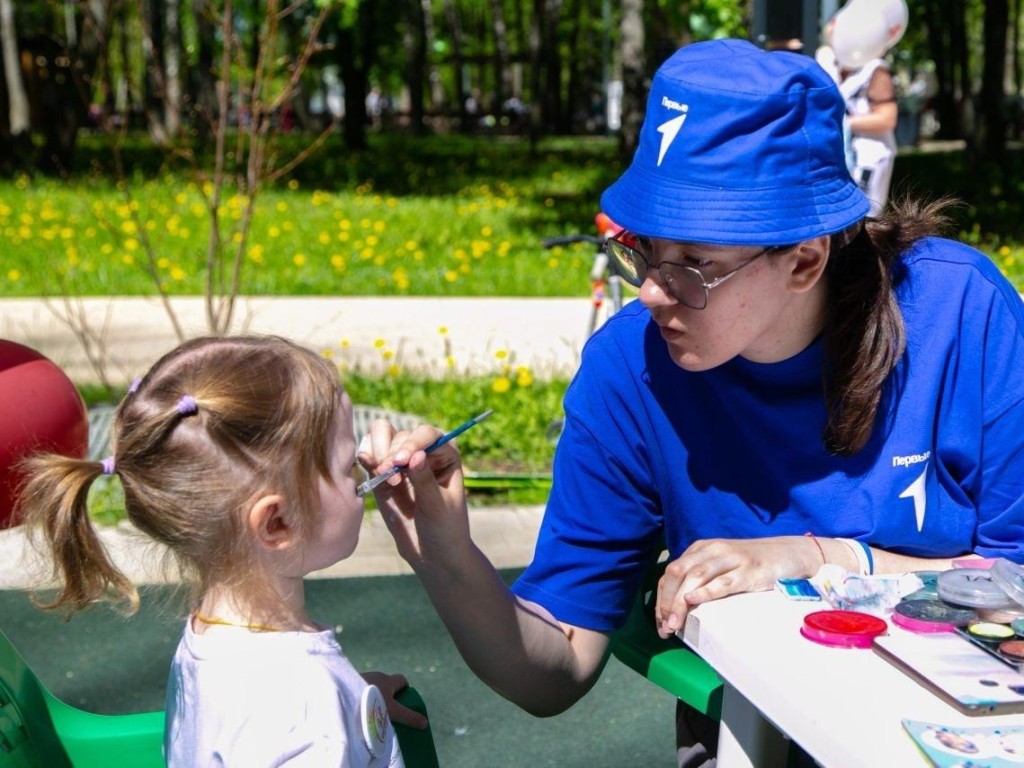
[842, 629]
[987, 630]
[930, 616]
[1010, 577]
[1017, 625]
[974, 588]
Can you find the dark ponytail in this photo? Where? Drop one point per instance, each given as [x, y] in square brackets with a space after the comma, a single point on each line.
[864, 335]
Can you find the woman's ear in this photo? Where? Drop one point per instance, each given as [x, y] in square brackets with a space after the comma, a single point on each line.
[807, 262]
[269, 523]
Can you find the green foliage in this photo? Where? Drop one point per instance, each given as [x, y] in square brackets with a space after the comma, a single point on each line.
[436, 217]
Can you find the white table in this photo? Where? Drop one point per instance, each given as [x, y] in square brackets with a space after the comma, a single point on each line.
[844, 706]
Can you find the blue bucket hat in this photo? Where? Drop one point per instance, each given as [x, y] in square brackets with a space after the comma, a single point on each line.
[739, 146]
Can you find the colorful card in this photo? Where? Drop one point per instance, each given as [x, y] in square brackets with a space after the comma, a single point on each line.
[969, 746]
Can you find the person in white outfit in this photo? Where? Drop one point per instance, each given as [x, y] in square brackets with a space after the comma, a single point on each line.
[859, 36]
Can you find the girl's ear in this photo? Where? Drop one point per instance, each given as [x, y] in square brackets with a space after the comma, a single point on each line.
[268, 522]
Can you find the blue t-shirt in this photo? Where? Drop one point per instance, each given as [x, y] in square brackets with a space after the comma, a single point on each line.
[652, 452]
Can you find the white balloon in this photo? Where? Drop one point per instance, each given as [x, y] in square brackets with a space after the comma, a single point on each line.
[859, 34]
[895, 13]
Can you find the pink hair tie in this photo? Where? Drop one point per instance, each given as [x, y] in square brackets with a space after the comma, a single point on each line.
[108, 465]
[135, 385]
[187, 405]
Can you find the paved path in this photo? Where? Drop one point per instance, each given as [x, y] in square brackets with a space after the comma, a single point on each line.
[131, 333]
[505, 534]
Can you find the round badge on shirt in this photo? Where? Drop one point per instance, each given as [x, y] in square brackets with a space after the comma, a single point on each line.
[373, 714]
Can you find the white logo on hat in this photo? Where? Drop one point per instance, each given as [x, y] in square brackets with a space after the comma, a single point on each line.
[669, 130]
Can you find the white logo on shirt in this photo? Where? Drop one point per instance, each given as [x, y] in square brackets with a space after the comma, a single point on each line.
[916, 491]
[670, 128]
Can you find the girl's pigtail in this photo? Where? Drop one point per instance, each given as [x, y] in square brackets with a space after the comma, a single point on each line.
[53, 501]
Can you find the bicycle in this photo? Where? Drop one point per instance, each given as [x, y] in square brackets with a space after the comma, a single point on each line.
[600, 275]
[601, 278]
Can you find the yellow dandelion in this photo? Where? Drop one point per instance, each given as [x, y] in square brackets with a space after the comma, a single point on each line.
[1004, 250]
[344, 343]
[324, 238]
[449, 361]
[501, 385]
[282, 207]
[343, 237]
[410, 245]
[378, 226]
[501, 354]
[131, 244]
[553, 263]
[378, 343]
[486, 231]
[299, 259]
[163, 262]
[443, 330]
[394, 371]
[524, 378]
[177, 273]
[338, 261]
[129, 227]
[327, 353]
[293, 184]
[274, 232]
[387, 354]
[106, 249]
[126, 258]
[451, 275]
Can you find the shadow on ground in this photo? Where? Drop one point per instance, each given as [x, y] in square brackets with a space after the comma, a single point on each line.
[103, 663]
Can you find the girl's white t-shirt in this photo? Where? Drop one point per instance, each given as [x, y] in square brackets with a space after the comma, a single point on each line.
[252, 699]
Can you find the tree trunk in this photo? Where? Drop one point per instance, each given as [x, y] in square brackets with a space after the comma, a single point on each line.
[414, 44]
[436, 89]
[633, 80]
[990, 133]
[172, 68]
[502, 83]
[154, 86]
[466, 123]
[17, 98]
[552, 100]
[356, 49]
[203, 78]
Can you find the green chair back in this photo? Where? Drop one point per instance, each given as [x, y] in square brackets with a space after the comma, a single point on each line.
[667, 663]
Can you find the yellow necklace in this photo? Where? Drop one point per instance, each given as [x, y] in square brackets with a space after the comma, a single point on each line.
[225, 623]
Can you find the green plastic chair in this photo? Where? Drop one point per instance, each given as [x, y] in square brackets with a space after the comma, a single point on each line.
[38, 730]
[667, 663]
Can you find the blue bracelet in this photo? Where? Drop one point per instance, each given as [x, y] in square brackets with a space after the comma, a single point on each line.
[868, 555]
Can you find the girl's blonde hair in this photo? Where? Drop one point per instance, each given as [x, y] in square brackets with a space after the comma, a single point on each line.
[263, 408]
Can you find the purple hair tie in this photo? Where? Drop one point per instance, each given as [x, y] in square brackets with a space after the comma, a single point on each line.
[108, 465]
[135, 385]
[187, 405]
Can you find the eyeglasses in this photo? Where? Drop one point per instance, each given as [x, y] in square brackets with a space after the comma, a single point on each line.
[686, 284]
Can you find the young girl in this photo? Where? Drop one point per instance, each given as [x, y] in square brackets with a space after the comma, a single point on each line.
[237, 454]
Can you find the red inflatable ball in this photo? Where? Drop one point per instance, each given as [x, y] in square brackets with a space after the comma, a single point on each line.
[40, 410]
